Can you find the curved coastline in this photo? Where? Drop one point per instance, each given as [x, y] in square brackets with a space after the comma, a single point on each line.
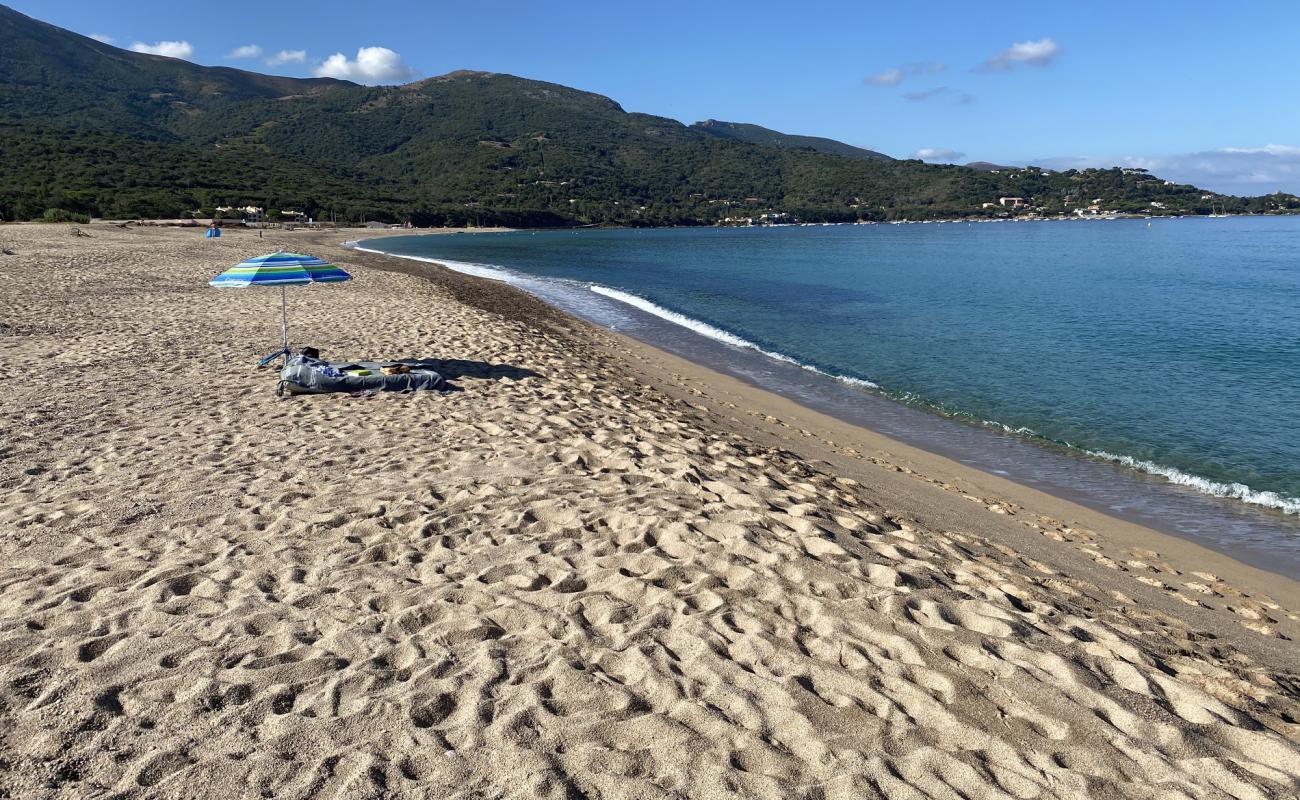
[1250, 508]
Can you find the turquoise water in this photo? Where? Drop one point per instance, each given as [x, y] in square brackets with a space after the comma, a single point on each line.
[1172, 349]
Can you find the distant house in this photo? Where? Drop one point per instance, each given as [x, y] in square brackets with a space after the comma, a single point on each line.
[1012, 202]
[246, 213]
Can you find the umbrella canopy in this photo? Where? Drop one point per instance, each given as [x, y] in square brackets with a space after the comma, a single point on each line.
[279, 269]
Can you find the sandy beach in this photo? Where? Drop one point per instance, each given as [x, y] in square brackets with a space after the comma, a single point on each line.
[592, 570]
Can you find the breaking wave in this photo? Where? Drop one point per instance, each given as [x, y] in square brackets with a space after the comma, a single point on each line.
[1235, 491]
[712, 332]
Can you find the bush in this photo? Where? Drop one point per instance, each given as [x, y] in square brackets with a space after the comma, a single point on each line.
[63, 215]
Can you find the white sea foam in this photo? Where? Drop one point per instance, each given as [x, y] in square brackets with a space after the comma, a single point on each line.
[702, 328]
[1022, 431]
[477, 270]
[1236, 491]
[863, 382]
[718, 334]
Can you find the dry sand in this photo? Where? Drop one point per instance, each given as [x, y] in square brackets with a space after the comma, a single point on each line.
[592, 571]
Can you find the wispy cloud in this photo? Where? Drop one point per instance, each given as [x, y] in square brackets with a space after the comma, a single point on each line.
[103, 37]
[938, 154]
[889, 77]
[170, 49]
[940, 92]
[1230, 170]
[247, 51]
[896, 75]
[287, 57]
[372, 65]
[1281, 150]
[1038, 52]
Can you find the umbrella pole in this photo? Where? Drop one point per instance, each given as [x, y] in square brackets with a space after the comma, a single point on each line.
[284, 323]
[284, 334]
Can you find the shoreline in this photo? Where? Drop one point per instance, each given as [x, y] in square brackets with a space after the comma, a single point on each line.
[862, 453]
[1245, 510]
[593, 569]
[833, 440]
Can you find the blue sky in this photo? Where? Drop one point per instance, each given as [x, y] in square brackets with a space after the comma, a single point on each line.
[1196, 91]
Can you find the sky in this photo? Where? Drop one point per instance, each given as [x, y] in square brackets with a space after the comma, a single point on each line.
[1195, 91]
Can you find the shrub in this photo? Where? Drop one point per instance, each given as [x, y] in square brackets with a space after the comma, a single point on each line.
[63, 215]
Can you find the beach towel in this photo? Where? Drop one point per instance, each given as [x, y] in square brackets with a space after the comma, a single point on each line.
[307, 375]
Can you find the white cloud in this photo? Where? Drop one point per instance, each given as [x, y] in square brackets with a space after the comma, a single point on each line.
[372, 65]
[287, 57]
[1039, 52]
[895, 76]
[890, 77]
[103, 37]
[246, 51]
[1230, 170]
[169, 49]
[940, 154]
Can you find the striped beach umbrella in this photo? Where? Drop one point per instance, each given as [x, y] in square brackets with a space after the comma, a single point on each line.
[280, 269]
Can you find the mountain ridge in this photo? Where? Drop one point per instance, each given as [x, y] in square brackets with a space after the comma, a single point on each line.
[757, 134]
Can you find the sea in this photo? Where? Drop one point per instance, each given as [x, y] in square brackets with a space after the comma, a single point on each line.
[1147, 369]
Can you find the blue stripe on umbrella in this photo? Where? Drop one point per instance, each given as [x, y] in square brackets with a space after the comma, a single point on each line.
[280, 269]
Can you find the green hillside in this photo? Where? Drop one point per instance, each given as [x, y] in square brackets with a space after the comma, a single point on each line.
[94, 129]
[757, 134]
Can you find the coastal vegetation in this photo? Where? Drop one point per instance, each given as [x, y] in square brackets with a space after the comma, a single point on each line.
[91, 129]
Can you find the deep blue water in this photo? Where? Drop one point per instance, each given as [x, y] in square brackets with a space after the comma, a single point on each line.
[1173, 347]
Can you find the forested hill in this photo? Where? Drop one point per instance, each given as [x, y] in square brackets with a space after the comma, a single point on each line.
[93, 129]
[757, 134]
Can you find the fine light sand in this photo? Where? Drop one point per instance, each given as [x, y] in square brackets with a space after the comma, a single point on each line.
[592, 571]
